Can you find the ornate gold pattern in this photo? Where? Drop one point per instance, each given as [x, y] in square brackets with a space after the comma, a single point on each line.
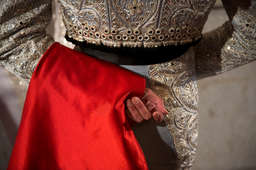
[23, 39]
[135, 23]
[175, 82]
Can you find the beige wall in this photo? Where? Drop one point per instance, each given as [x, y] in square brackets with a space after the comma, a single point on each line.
[227, 108]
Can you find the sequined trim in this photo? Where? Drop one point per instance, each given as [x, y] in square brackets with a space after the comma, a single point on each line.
[135, 23]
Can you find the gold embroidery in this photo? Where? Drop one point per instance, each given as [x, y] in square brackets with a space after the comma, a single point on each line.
[142, 23]
[23, 39]
[176, 83]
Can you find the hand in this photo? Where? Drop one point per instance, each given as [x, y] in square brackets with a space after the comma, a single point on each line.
[146, 107]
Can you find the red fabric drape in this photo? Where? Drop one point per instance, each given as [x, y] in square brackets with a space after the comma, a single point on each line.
[74, 116]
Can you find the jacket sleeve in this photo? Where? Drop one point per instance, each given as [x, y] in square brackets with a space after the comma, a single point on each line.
[231, 45]
[23, 38]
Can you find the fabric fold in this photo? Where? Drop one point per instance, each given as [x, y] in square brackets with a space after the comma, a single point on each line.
[74, 116]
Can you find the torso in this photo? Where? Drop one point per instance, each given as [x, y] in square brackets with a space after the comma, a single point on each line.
[136, 23]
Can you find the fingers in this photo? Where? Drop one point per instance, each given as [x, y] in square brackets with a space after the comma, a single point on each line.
[141, 108]
[150, 106]
[162, 108]
[148, 93]
[158, 117]
[151, 96]
[133, 113]
[137, 110]
[154, 103]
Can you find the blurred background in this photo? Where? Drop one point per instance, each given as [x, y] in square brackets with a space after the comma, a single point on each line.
[227, 108]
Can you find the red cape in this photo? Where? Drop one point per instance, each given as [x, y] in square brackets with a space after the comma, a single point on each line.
[74, 116]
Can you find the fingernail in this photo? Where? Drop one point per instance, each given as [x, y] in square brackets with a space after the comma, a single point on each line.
[135, 100]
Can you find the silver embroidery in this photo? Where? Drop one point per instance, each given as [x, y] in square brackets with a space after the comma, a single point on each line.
[22, 35]
[176, 83]
[135, 23]
[231, 45]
